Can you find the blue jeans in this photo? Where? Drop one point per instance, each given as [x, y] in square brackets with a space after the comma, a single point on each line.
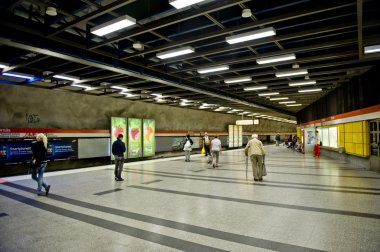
[37, 175]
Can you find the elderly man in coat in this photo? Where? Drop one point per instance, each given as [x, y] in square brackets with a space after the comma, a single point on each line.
[255, 152]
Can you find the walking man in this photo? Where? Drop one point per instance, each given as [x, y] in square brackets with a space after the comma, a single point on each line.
[216, 148]
[206, 144]
[256, 152]
[118, 149]
[277, 138]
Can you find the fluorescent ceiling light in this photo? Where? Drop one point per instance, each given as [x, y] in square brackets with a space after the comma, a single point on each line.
[293, 105]
[18, 75]
[240, 79]
[262, 33]
[372, 49]
[179, 4]
[279, 58]
[202, 107]
[159, 100]
[302, 83]
[310, 90]
[121, 88]
[185, 100]
[175, 52]
[291, 73]
[184, 104]
[286, 102]
[87, 87]
[269, 94]
[278, 98]
[2, 65]
[66, 77]
[213, 69]
[113, 25]
[244, 122]
[158, 96]
[255, 88]
[206, 104]
[127, 94]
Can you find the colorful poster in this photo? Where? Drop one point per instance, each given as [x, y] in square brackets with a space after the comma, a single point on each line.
[230, 136]
[149, 129]
[118, 126]
[21, 151]
[134, 138]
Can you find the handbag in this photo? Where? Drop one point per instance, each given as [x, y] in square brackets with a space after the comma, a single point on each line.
[264, 168]
[203, 151]
[187, 146]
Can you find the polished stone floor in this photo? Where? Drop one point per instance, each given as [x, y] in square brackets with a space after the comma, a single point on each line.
[304, 204]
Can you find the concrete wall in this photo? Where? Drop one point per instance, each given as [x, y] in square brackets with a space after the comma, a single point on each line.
[357, 162]
[25, 107]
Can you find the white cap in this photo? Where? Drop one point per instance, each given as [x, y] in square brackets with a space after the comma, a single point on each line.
[255, 136]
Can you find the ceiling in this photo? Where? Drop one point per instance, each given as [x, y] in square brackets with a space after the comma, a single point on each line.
[328, 40]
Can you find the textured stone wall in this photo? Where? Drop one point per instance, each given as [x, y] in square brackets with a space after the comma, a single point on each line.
[23, 107]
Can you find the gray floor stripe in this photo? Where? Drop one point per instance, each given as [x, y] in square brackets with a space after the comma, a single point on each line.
[151, 182]
[242, 239]
[3, 214]
[114, 226]
[107, 192]
[308, 174]
[243, 181]
[262, 203]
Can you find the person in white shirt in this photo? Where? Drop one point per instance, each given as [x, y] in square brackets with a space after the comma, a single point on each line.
[216, 148]
[255, 150]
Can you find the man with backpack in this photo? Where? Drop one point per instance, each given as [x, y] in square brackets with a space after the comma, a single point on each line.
[118, 149]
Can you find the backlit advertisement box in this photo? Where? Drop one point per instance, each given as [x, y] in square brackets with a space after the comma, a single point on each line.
[236, 136]
[118, 126]
[149, 129]
[134, 138]
[230, 136]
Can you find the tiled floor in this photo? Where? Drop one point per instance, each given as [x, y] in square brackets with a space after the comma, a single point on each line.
[304, 204]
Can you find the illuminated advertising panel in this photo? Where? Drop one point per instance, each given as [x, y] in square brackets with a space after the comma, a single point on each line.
[240, 131]
[149, 128]
[118, 126]
[230, 136]
[236, 136]
[134, 138]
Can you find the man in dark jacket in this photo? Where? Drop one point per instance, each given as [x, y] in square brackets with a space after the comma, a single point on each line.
[277, 138]
[118, 149]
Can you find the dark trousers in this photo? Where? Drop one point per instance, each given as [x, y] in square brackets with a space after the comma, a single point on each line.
[207, 150]
[119, 162]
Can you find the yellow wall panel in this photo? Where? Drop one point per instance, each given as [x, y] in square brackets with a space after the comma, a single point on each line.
[348, 127]
[357, 138]
[357, 127]
[347, 137]
[350, 148]
[341, 127]
[299, 133]
[359, 149]
[365, 127]
[366, 150]
[366, 138]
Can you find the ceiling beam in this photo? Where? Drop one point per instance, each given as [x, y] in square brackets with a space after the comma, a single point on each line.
[186, 15]
[101, 11]
[359, 7]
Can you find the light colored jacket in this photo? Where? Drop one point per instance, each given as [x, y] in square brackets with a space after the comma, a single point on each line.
[254, 147]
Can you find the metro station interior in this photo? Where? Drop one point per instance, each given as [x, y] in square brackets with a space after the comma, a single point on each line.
[299, 76]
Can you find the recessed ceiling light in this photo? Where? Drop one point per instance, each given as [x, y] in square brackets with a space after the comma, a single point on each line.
[239, 79]
[175, 52]
[19, 75]
[120, 88]
[179, 4]
[294, 105]
[286, 102]
[213, 69]
[278, 58]
[266, 32]
[291, 73]
[66, 77]
[278, 98]
[269, 94]
[255, 88]
[310, 90]
[113, 25]
[302, 83]
[372, 49]
[246, 13]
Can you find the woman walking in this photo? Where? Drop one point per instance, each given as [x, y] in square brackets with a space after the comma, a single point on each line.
[39, 163]
[216, 148]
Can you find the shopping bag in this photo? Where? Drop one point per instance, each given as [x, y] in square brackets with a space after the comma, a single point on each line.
[203, 151]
